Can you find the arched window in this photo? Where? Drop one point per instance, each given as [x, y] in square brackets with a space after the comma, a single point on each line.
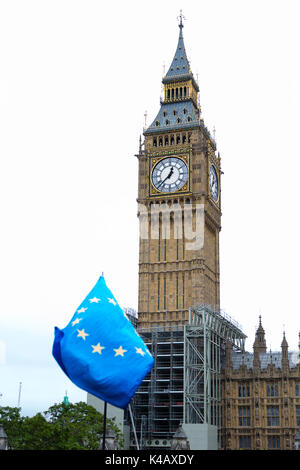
[172, 93]
[168, 93]
[176, 92]
[166, 140]
[180, 92]
[160, 142]
[157, 123]
[178, 139]
[184, 91]
[172, 141]
[155, 142]
[178, 120]
[183, 138]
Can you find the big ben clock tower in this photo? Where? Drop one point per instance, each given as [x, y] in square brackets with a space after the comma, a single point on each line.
[179, 178]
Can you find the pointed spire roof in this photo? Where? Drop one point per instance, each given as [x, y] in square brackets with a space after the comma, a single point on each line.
[284, 341]
[180, 67]
[180, 64]
[180, 108]
[260, 328]
[259, 345]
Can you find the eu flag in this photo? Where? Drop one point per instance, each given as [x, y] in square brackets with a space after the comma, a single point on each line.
[100, 351]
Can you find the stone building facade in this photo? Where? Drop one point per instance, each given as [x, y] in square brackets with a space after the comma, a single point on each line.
[179, 167]
[179, 173]
[260, 397]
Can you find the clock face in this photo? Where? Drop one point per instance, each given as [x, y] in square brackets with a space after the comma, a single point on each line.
[169, 175]
[213, 183]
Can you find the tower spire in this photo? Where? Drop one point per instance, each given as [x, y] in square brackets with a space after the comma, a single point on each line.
[180, 105]
[260, 342]
[284, 353]
[180, 18]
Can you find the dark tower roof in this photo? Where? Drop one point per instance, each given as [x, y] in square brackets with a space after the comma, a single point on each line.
[181, 110]
[180, 67]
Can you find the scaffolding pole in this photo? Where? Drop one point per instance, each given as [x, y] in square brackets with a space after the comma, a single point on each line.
[205, 335]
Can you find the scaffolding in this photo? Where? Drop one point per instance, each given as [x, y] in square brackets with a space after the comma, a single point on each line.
[158, 402]
[205, 337]
[184, 384]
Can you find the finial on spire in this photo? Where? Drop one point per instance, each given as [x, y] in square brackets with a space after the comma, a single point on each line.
[271, 357]
[284, 341]
[180, 18]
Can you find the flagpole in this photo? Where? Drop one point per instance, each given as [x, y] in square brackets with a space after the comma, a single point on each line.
[104, 426]
[133, 427]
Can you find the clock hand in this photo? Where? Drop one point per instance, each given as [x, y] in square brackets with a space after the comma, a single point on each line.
[169, 176]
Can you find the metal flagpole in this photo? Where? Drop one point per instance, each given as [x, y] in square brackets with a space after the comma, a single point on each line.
[133, 427]
[19, 398]
[104, 426]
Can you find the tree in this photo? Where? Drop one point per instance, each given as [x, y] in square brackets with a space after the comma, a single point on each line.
[11, 421]
[62, 427]
[80, 426]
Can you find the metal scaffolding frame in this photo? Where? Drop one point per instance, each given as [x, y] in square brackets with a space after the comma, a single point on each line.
[160, 396]
[205, 336]
[184, 386]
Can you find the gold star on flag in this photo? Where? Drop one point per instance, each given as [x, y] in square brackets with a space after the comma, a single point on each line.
[76, 321]
[120, 351]
[82, 310]
[140, 351]
[82, 334]
[98, 348]
[94, 300]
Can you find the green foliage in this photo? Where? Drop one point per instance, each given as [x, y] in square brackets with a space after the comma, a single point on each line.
[62, 427]
[11, 421]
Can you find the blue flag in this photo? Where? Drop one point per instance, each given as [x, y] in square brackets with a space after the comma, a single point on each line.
[100, 351]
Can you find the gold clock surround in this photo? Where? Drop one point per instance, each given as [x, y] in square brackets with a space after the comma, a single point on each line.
[185, 157]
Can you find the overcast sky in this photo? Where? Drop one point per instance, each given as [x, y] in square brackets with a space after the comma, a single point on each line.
[76, 79]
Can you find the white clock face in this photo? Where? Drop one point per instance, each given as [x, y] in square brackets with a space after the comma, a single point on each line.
[213, 183]
[169, 175]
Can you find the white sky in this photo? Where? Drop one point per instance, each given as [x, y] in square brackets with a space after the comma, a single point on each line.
[75, 80]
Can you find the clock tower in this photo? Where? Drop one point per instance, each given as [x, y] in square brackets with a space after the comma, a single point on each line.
[179, 204]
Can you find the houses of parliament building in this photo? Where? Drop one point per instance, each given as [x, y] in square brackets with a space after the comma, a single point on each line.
[203, 383]
[205, 391]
